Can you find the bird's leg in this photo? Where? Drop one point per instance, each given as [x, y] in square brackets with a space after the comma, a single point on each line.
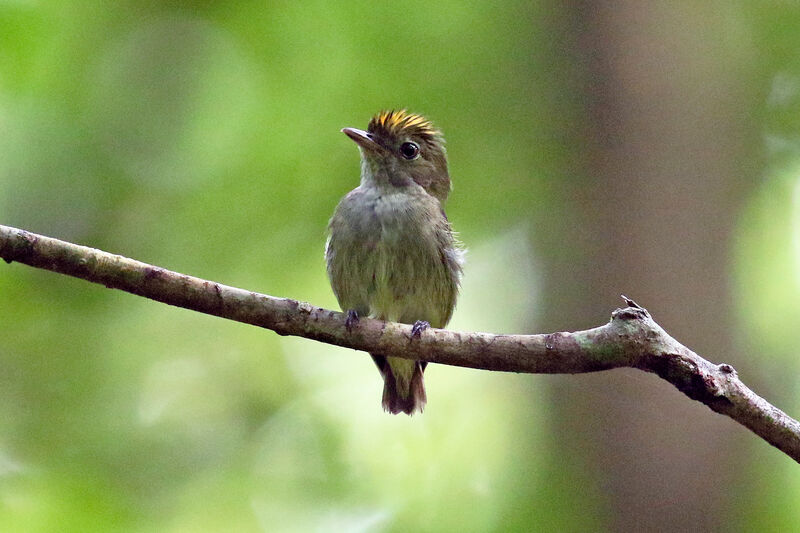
[351, 321]
[418, 327]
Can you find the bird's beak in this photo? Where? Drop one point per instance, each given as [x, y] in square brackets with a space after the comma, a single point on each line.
[363, 139]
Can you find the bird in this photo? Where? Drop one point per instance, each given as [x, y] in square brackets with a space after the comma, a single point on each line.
[391, 252]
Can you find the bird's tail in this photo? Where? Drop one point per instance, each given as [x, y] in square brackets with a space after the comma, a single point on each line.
[403, 387]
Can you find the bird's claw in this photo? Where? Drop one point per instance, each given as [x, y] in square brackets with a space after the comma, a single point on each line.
[418, 327]
[351, 321]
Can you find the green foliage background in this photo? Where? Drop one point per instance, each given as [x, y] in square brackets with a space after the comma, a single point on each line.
[204, 137]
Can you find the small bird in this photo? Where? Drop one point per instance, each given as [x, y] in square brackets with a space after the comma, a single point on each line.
[391, 253]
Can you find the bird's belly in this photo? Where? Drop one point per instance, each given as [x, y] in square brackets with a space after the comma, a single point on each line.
[391, 263]
[408, 280]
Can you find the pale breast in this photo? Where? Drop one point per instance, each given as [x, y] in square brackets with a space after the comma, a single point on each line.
[392, 254]
[412, 282]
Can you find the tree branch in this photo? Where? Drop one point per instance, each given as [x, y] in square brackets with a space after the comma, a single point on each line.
[631, 339]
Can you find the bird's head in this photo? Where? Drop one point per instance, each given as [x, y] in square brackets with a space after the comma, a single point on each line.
[399, 149]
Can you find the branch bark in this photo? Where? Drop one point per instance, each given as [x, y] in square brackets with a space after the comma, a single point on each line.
[630, 339]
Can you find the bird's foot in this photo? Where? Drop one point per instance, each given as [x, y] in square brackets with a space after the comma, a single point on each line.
[351, 321]
[418, 327]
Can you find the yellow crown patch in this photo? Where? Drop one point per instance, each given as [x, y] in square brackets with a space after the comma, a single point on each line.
[402, 122]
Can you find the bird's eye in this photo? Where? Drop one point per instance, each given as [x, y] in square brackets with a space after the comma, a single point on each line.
[409, 150]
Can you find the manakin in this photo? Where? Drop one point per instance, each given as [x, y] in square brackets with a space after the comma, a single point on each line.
[391, 253]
